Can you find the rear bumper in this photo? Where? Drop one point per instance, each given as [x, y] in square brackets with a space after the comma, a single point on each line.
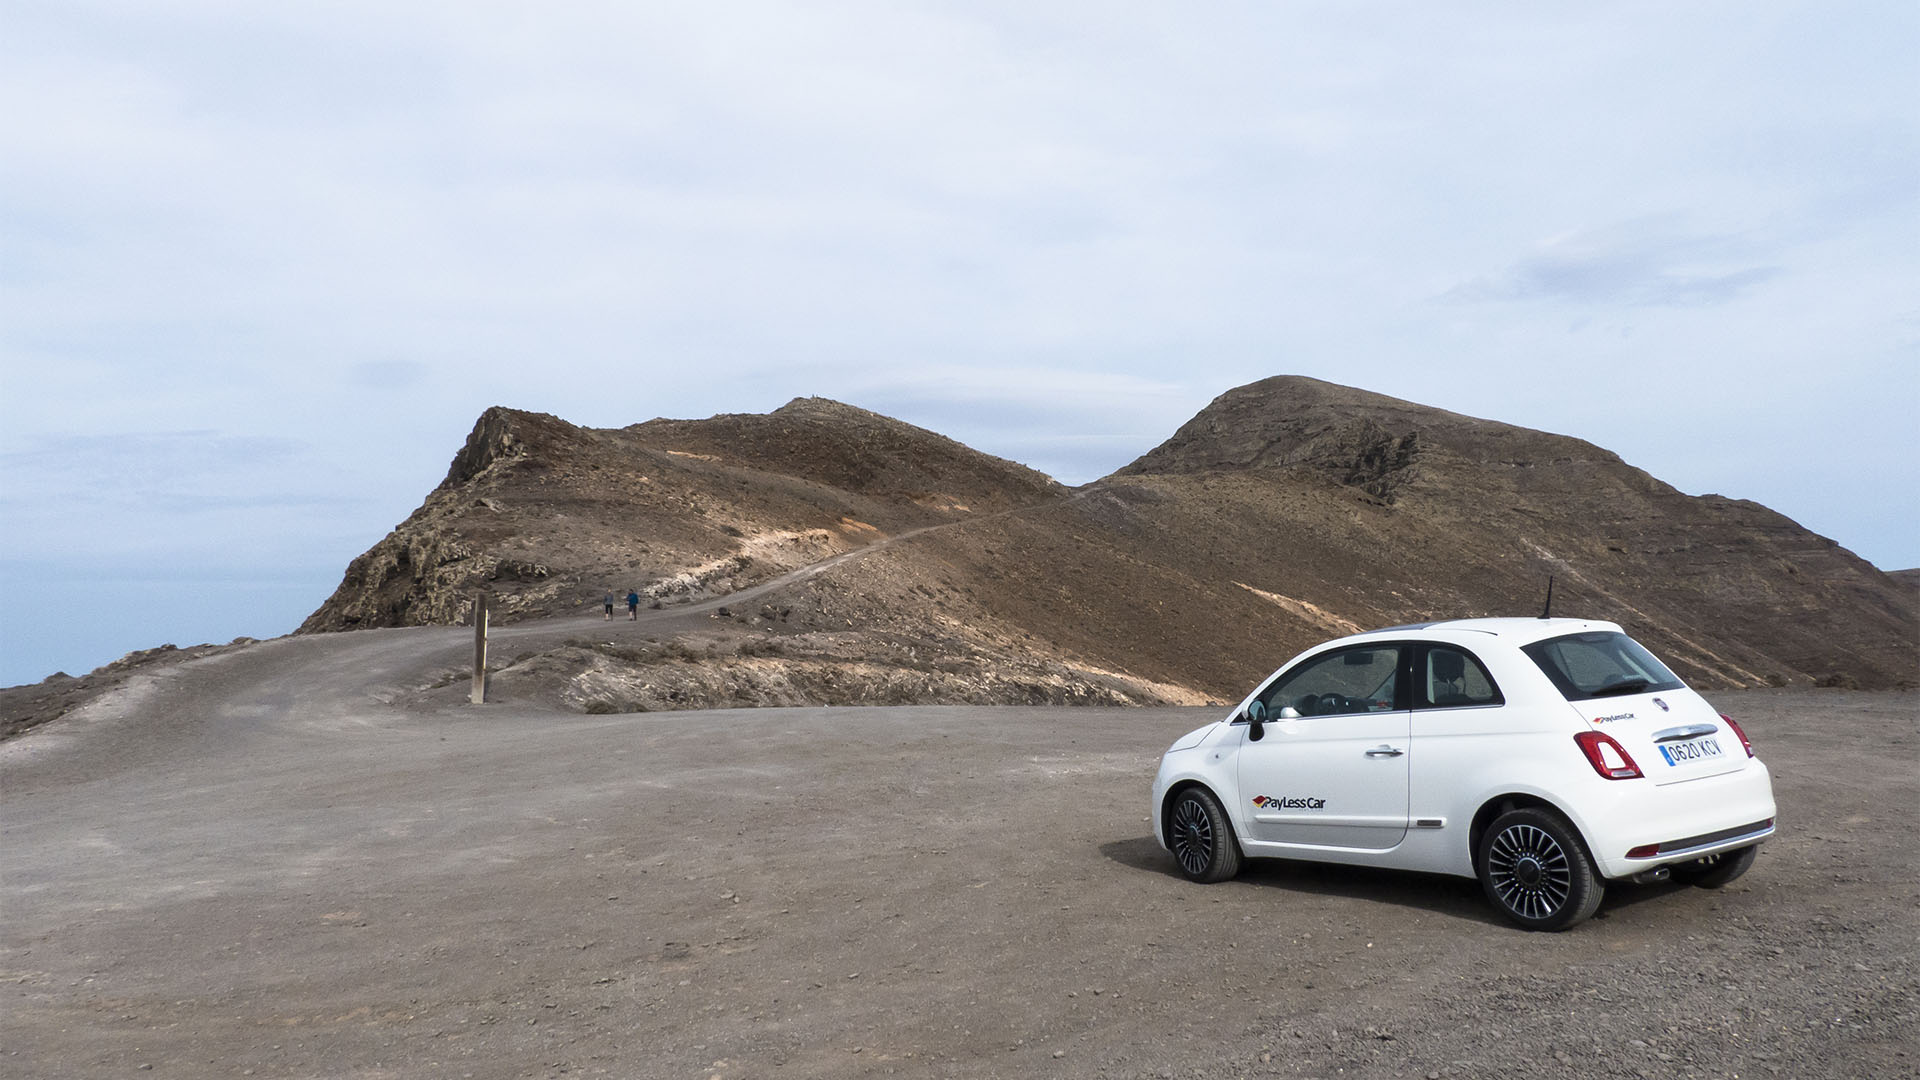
[1695, 846]
[1677, 823]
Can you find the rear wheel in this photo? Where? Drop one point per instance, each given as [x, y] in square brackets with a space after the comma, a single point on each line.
[1536, 871]
[1201, 838]
[1716, 870]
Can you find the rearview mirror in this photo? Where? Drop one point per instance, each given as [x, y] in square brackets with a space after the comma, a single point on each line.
[1256, 721]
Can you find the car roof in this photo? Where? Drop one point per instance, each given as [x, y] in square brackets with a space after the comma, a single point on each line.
[1512, 631]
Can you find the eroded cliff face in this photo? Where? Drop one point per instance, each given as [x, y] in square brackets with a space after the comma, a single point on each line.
[428, 570]
[1287, 512]
[427, 574]
[494, 439]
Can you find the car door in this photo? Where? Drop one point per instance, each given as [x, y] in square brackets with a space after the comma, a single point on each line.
[1330, 767]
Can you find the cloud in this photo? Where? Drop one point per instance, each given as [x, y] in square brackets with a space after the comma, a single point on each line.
[1640, 264]
[1071, 423]
[1053, 232]
[184, 496]
[388, 374]
[175, 505]
[144, 461]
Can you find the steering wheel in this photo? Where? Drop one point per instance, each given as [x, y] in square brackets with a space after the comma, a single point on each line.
[1331, 703]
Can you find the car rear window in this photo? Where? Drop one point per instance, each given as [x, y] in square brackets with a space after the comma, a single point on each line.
[1600, 664]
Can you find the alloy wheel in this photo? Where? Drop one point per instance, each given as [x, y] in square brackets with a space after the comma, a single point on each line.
[1529, 871]
[1193, 838]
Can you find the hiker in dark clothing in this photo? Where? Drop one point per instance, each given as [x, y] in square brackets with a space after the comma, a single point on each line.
[633, 606]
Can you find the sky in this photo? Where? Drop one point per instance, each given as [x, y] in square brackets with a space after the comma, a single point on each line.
[263, 265]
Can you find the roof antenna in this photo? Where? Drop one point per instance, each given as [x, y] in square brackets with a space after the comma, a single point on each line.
[1547, 612]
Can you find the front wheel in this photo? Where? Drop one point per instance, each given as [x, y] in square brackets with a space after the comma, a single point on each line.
[1716, 870]
[1201, 838]
[1536, 871]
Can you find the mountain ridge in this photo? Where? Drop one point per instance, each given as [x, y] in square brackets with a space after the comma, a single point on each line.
[1286, 511]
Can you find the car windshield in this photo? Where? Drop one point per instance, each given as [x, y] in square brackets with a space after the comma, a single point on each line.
[1600, 664]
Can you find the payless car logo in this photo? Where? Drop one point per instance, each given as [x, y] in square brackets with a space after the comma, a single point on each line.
[1614, 719]
[1289, 802]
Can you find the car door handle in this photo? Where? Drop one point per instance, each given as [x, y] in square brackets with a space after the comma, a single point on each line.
[1385, 751]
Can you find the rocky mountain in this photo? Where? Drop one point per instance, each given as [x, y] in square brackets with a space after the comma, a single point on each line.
[1287, 511]
[548, 516]
[1471, 514]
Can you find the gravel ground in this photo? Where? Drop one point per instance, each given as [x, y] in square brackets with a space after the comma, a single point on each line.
[250, 865]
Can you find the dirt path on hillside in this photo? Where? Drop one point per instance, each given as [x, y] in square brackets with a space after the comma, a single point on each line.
[251, 865]
[399, 658]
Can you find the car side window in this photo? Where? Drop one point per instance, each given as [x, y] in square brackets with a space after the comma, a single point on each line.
[1454, 678]
[1355, 680]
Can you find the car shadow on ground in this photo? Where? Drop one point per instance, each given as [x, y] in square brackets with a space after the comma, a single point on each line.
[1622, 895]
[1442, 894]
[1439, 893]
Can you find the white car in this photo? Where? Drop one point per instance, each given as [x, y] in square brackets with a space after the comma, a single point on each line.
[1545, 757]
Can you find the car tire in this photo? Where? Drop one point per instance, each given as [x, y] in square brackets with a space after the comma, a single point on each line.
[1201, 838]
[1716, 870]
[1536, 871]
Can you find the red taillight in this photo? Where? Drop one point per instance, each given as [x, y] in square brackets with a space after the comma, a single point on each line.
[1744, 741]
[1644, 851]
[1607, 757]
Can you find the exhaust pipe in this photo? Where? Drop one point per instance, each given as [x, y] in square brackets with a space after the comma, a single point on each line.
[1649, 877]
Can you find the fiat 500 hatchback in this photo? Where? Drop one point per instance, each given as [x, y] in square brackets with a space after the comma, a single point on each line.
[1546, 757]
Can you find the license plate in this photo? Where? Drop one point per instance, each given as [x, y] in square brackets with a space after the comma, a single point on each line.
[1699, 749]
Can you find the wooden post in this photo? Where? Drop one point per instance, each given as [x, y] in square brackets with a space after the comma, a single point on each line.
[479, 648]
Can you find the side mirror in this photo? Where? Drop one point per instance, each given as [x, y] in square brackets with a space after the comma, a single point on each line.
[1256, 721]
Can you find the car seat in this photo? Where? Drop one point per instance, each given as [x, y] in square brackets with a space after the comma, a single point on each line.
[1449, 674]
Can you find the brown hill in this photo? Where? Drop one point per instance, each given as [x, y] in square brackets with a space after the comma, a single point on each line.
[548, 516]
[1286, 512]
[1462, 515]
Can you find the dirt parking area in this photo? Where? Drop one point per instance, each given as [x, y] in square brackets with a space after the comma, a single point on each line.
[205, 878]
